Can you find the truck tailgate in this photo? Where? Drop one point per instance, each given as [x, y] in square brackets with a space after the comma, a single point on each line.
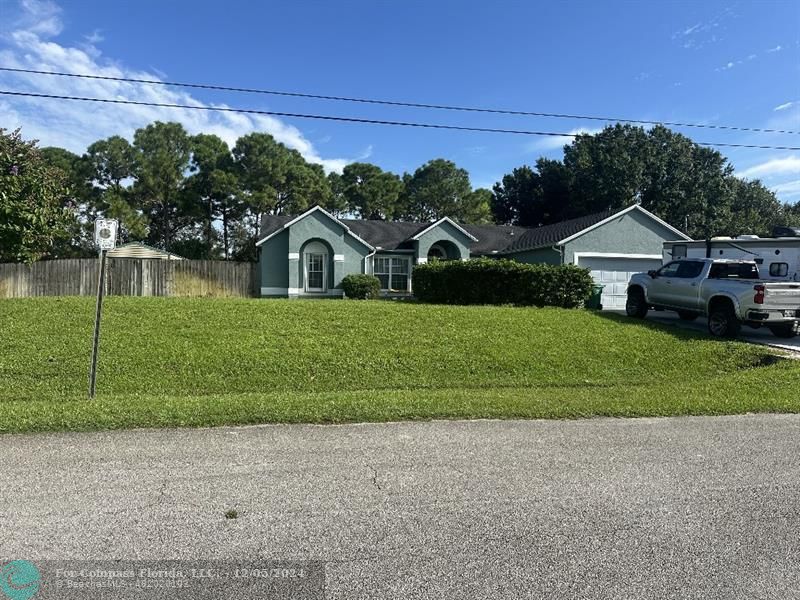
[779, 295]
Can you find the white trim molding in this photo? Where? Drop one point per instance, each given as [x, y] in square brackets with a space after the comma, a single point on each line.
[443, 220]
[294, 256]
[577, 256]
[303, 216]
[631, 208]
[338, 258]
[274, 291]
[422, 260]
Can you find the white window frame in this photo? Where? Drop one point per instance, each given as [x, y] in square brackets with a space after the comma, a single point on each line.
[312, 250]
[391, 272]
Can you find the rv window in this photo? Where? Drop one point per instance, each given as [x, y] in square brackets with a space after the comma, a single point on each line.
[779, 269]
[679, 251]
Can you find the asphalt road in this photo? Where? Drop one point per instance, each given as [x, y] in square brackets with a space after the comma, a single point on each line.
[603, 508]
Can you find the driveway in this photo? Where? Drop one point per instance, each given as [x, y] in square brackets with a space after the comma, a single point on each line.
[755, 336]
[642, 508]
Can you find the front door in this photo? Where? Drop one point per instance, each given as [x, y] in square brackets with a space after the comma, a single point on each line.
[315, 272]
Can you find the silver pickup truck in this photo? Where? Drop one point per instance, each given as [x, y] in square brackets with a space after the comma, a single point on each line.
[728, 292]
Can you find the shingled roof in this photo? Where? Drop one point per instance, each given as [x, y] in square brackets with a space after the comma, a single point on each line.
[550, 235]
[385, 235]
[491, 239]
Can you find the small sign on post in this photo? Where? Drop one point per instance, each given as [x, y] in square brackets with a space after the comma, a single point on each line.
[105, 238]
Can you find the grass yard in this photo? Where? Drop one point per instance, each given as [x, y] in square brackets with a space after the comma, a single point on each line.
[197, 362]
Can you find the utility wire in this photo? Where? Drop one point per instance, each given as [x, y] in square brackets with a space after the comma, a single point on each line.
[499, 111]
[346, 119]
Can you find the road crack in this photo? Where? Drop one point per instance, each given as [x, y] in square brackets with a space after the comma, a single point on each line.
[375, 481]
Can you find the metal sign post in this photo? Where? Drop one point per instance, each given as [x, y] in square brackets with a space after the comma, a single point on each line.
[105, 237]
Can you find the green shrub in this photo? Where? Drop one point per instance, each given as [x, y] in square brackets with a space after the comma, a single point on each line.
[490, 281]
[361, 287]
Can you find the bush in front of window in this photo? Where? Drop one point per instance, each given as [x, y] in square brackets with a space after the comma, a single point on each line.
[491, 281]
[361, 287]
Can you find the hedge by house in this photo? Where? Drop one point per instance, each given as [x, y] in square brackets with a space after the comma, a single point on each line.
[490, 281]
[361, 287]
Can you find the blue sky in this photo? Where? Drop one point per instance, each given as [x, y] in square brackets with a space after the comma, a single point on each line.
[730, 63]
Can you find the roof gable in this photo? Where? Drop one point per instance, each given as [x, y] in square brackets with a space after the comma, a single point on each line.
[564, 232]
[274, 224]
[631, 208]
[441, 222]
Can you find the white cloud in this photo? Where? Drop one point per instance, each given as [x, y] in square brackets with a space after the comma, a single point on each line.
[691, 29]
[94, 38]
[41, 17]
[784, 106]
[788, 189]
[789, 165]
[777, 48]
[558, 141]
[74, 125]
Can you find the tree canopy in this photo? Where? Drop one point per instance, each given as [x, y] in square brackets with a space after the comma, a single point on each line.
[688, 185]
[197, 196]
[36, 211]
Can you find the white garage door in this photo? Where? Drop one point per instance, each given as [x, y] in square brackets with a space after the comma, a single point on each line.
[613, 273]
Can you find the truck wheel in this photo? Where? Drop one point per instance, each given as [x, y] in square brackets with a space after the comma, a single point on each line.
[722, 322]
[785, 330]
[636, 306]
[685, 315]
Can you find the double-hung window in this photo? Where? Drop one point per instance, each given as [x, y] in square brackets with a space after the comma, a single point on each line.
[392, 272]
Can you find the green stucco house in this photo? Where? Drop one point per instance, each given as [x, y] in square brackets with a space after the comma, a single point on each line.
[308, 255]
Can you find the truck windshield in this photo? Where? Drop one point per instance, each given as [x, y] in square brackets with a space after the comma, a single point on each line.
[733, 271]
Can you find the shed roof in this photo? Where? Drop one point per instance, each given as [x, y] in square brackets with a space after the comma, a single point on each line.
[141, 250]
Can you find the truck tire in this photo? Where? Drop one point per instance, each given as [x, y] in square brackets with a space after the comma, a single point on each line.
[636, 305]
[722, 321]
[688, 316]
[785, 330]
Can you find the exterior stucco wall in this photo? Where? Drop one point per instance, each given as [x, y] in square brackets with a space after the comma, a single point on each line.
[632, 233]
[274, 265]
[345, 253]
[443, 232]
[541, 255]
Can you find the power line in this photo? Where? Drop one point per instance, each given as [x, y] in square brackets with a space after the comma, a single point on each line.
[206, 86]
[347, 119]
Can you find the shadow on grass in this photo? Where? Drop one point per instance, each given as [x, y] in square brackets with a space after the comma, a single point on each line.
[676, 329]
[766, 358]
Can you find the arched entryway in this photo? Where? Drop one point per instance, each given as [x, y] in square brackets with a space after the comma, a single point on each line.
[444, 250]
[316, 267]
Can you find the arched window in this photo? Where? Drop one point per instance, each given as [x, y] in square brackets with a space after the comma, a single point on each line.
[315, 261]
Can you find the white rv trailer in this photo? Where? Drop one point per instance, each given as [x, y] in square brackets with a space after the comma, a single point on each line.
[778, 258]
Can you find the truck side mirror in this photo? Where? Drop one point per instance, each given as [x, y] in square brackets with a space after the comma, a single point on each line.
[653, 274]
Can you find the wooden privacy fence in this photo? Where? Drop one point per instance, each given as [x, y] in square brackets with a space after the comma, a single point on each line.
[130, 277]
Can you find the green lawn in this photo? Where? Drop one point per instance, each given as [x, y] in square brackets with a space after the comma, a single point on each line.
[168, 361]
